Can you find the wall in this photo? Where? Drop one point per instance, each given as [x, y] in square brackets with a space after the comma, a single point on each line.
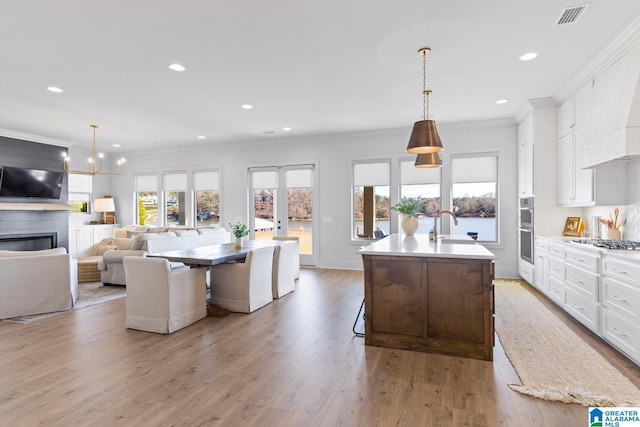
[332, 154]
[26, 154]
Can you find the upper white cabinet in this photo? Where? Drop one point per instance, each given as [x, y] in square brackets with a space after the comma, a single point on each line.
[583, 187]
[525, 157]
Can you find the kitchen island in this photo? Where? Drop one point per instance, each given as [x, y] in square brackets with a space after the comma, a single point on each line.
[435, 297]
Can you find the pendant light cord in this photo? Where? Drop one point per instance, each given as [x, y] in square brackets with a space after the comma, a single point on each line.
[425, 98]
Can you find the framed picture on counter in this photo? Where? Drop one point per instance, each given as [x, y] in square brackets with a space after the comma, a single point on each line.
[573, 227]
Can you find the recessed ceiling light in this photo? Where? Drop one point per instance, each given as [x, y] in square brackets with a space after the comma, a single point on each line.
[116, 145]
[202, 137]
[286, 129]
[54, 89]
[177, 67]
[528, 56]
[502, 101]
[247, 106]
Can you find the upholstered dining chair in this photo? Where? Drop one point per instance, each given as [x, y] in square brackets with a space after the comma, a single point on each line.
[296, 239]
[243, 286]
[161, 300]
[285, 259]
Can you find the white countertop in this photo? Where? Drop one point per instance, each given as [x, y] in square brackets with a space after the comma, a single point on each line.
[421, 246]
[633, 256]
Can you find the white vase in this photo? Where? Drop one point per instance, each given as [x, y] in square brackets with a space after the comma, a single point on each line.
[409, 225]
[239, 242]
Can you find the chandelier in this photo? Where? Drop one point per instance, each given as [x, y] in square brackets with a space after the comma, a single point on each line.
[424, 136]
[95, 162]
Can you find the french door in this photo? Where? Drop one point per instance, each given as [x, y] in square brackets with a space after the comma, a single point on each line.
[282, 202]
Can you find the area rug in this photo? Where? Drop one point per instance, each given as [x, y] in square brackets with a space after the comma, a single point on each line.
[553, 363]
[89, 294]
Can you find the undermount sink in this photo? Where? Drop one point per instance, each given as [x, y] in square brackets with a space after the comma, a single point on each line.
[456, 239]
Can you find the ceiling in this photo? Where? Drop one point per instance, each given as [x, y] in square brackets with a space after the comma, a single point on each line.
[320, 67]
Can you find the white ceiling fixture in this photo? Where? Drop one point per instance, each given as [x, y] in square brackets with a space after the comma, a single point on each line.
[115, 145]
[502, 101]
[247, 106]
[54, 89]
[570, 15]
[202, 137]
[286, 129]
[528, 56]
[177, 67]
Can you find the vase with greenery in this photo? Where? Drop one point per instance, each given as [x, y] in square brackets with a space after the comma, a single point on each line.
[240, 231]
[409, 207]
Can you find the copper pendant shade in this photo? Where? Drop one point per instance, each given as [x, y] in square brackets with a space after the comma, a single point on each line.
[424, 137]
[428, 160]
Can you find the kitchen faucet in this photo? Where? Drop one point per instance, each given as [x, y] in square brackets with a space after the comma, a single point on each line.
[435, 222]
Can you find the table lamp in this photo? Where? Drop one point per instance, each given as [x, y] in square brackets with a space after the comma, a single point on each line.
[104, 206]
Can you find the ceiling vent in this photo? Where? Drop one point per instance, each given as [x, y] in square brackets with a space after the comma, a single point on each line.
[571, 14]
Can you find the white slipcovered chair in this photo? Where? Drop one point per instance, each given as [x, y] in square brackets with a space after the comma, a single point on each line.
[296, 261]
[161, 300]
[284, 265]
[34, 282]
[244, 286]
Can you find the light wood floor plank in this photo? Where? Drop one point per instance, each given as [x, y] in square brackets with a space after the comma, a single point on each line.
[294, 362]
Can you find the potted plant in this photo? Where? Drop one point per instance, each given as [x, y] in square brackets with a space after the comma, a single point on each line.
[409, 207]
[240, 231]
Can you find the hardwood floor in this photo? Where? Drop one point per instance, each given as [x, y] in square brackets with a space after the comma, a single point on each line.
[294, 362]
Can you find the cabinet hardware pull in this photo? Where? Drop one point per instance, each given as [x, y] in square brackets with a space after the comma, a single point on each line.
[618, 332]
[618, 299]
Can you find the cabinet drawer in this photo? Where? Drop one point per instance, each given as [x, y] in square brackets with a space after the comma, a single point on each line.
[541, 245]
[626, 272]
[621, 334]
[584, 282]
[556, 250]
[588, 261]
[622, 299]
[556, 290]
[556, 268]
[583, 310]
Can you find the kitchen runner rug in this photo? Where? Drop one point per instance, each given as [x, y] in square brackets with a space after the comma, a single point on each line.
[553, 363]
[90, 293]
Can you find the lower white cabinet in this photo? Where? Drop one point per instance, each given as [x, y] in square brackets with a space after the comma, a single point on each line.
[82, 238]
[599, 289]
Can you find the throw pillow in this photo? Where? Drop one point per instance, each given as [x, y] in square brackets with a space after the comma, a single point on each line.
[123, 243]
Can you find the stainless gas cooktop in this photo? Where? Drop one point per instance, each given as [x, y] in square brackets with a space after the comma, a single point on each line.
[611, 244]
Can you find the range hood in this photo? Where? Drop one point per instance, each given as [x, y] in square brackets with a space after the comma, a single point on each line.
[612, 127]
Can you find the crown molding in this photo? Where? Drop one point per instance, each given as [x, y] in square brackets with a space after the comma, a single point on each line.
[614, 50]
[34, 138]
[534, 104]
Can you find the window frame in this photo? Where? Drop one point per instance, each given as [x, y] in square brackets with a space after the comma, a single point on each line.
[353, 238]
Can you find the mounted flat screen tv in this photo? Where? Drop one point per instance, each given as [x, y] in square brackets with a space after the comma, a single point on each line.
[22, 182]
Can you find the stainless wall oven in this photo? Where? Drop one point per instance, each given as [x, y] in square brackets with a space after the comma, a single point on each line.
[526, 229]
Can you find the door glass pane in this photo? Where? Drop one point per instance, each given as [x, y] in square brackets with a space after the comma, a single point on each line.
[300, 208]
[264, 202]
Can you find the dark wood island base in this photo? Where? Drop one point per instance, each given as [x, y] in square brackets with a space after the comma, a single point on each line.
[430, 304]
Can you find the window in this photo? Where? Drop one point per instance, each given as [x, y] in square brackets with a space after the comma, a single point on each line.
[80, 192]
[371, 208]
[206, 185]
[146, 187]
[175, 194]
[474, 190]
[422, 183]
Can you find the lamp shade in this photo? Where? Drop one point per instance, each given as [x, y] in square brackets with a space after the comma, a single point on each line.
[428, 160]
[424, 138]
[104, 205]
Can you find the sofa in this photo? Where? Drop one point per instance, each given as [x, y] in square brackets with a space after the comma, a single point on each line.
[35, 282]
[141, 243]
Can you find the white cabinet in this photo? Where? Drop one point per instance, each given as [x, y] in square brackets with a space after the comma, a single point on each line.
[572, 113]
[81, 238]
[525, 157]
[540, 279]
[621, 305]
[555, 273]
[582, 283]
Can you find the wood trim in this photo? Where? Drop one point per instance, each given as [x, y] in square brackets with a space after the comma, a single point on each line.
[35, 207]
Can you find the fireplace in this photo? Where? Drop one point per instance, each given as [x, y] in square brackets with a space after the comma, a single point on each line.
[28, 242]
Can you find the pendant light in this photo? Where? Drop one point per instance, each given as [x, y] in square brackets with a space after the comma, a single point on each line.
[428, 160]
[424, 137]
